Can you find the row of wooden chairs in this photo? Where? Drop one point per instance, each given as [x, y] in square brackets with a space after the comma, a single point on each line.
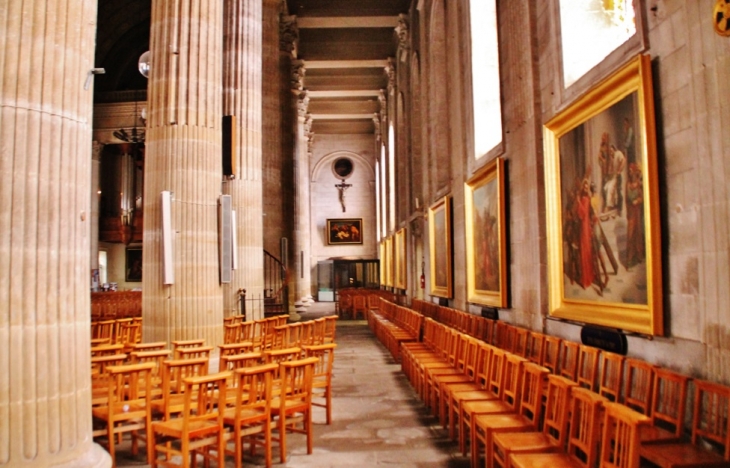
[442, 370]
[356, 302]
[393, 324]
[267, 333]
[471, 324]
[128, 396]
[125, 331]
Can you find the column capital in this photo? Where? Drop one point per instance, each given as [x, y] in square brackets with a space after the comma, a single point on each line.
[289, 35]
[302, 104]
[390, 71]
[376, 124]
[96, 149]
[298, 71]
[383, 100]
[401, 31]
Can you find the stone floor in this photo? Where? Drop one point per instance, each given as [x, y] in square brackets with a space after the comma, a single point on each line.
[377, 418]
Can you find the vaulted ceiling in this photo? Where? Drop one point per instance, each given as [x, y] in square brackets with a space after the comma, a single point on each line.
[345, 45]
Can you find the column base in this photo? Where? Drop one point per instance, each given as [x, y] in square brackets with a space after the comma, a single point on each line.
[95, 457]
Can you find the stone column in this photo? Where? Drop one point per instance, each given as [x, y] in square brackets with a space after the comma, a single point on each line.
[46, 92]
[183, 156]
[242, 88]
[301, 269]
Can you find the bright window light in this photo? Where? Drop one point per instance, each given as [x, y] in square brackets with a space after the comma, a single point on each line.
[485, 76]
[590, 31]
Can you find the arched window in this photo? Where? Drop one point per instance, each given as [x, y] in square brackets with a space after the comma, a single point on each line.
[485, 76]
[590, 30]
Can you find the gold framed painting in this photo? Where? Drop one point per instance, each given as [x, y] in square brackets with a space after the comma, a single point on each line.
[439, 229]
[486, 236]
[401, 266]
[602, 200]
[344, 231]
[388, 250]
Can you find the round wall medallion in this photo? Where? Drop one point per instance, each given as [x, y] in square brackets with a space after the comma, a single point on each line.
[721, 17]
[343, 168]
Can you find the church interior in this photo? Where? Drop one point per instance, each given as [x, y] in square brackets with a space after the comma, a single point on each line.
[557, 167]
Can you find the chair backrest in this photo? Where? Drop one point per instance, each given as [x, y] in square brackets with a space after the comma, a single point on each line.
[174, 373]
[569, 360]
[178, 344]
[278, 356]
[521, 341]
[531, 392]
[104, 329]
[130, 386]
[157, 357]
[193, 352]
[204, 395]
[325, 354]
[297, 378]
[495, 379]
[669, 400]
[154, 346]
[588, 367]
[254, 385]
[231, 362]
[536, 348]
[638, 387]
[620, 441]
[234, 348]
[504, 336]
[711, 416]
[585, 421]
[557, 404]
[512, 380]
[551, 359]
[330, 328]
[231, 332]
[612, 374]
[107, 350]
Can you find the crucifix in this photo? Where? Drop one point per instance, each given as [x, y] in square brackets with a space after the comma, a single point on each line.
[341, 188]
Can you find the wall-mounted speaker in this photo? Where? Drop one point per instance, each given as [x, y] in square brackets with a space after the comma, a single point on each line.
[229, 145]
[225, 249]
[168, 270]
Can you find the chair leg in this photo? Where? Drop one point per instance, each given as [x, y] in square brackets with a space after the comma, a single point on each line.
[267, 443]
[282, 437]
[308, 429]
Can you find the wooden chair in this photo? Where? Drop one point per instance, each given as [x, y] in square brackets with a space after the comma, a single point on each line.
[536, 348]
[611, 377]
[232, 349]
[468, 368]
[174, 373]
[157, 357]
[639, 384]
[130, 333]
[330, 328]
[154, 346]
[107, 350]
[104, 329]
[251, 414]
[554, 432]
[477, 383]
[231, 332]
[494, 386]
[525, 419]
[569, 351]
[668, 407]
[100, 366]
[180, 344]
[504, 336]
[583, 437]
[128, 406]
[522, 336]
[587, 376]
[710, 443]
[294, 403]
[620, 440]
[551, 359]
[199, 427]
[322, 378]
[359, 306]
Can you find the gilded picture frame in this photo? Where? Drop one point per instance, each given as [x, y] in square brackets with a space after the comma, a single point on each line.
[440, 248]
[401, 264]
[388, 250]
[602, 206]
[344, 231]
[486, 236]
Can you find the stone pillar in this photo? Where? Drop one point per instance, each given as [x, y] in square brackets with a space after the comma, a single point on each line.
[301, 269]
[45, 170]
[242, 88]
[183, 156]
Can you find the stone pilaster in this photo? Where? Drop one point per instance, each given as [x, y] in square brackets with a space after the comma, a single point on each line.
[96, 151]
[45, 182]
[242, 94]
[183, 156]
[301, 271]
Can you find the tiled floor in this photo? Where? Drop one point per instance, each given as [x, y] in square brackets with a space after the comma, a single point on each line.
[377, 418]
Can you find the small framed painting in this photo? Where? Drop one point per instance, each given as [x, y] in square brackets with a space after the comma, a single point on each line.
[439, 229]
[344, 231]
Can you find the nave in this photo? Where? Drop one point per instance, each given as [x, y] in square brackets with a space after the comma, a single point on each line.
[378, 419]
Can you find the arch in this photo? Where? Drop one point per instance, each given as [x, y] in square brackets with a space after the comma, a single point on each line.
[326, 161]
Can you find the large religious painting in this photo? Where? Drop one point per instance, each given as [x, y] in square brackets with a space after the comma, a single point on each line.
[604, 256]
[344, 231]
[439, 228]
[133, 264]
[486, 245]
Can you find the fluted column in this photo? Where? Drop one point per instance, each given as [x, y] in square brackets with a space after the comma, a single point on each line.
[45, 186]
[242, 90]
[183, 156]
[301, 271]
[96, 151]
